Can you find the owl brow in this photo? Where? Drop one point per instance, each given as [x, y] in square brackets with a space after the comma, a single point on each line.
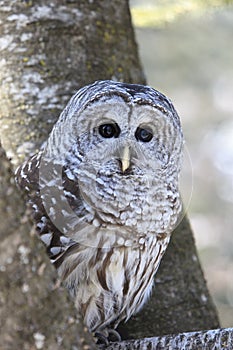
[168, 112]
[139, 101]
[107, 94]
[150, 103]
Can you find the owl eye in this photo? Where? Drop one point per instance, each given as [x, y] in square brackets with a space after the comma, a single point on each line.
[144, 135]
[109, 130]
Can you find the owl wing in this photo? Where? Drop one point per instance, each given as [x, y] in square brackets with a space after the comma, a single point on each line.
[27, 178]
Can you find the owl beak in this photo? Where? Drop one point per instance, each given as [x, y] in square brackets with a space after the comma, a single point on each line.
[125, 159]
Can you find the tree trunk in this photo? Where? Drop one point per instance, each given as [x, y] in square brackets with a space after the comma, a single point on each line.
[49, 50]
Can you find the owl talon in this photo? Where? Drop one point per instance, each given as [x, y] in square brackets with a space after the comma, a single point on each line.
[108, 336]
[113, 335]
[101, 339]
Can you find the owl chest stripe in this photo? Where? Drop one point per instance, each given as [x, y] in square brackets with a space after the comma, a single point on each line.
[126, 274]
[146, 279]
[101, 272]
[114, 273]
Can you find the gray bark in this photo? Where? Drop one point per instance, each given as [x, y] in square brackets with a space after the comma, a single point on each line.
[48, 50]
[205, 340]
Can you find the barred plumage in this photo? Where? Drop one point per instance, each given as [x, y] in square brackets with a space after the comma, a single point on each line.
[104, 189]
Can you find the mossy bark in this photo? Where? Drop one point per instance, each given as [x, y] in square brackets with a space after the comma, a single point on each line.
[49, 50]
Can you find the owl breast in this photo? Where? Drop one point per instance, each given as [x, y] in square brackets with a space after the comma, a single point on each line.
[113, 192]
[139, 200]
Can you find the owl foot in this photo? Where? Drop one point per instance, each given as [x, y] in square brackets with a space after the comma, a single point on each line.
[101, 339]
[113, 335]
[107, 336]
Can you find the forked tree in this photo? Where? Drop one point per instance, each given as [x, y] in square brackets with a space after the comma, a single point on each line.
[48, 51]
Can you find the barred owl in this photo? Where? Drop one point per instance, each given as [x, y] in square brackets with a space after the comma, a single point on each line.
[104, 189]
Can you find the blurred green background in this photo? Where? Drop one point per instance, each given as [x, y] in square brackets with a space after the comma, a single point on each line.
[186, 48]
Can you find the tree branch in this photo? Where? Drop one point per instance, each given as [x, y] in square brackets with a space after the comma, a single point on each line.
[204, 340]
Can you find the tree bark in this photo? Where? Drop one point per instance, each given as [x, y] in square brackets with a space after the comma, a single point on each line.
[205, 340]
[49, 50]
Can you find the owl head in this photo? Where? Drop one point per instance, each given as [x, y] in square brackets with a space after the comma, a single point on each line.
[119, 148]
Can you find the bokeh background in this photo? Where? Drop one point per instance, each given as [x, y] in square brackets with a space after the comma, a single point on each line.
[186, 48]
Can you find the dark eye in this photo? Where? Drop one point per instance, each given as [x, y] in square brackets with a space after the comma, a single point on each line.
[144, 134]
[109, 130]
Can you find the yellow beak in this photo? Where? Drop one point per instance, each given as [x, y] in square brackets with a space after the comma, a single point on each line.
[125, 159]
